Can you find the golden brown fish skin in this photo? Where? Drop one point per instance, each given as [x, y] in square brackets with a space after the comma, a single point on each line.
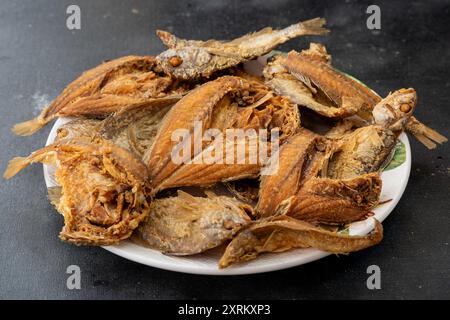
[349, 95]
[104, 189]
[187, 225]
[191, 59]
[105, 89]
[198, 105]
[336, 85]
[283, 233]
[362, 151]
[198, 172]
[263, 112]
[293, 161]
[331, 201]
[394, 111]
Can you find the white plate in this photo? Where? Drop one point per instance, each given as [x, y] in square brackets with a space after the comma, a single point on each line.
[394, 183]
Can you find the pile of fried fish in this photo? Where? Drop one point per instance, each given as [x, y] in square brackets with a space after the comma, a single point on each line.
[114, 163]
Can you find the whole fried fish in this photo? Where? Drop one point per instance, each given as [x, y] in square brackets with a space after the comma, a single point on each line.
[105, 89]
[191, 59]
[104, 188]
[197, 106]
[186, 225]
[283, 233]
[222, 105]
[306, 75]
[367, 149]
[309, 80]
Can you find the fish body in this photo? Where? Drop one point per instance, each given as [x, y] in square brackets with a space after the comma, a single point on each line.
[284, 233]
[103, 189]
[368, 149]
[105, 89]
[364, 150]
[335, 201]
[308, 77]
[186, 225]
[223, 105]
[300, 158]
[191, 59]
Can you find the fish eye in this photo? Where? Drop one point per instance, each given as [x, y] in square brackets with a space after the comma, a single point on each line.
[405, 108]
[175, 61]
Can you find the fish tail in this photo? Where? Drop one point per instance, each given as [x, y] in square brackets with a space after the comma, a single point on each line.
[29, 127]
[313, 27]
[15, 165]
[424, 134]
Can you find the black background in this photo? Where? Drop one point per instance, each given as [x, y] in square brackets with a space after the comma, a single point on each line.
[39, 56]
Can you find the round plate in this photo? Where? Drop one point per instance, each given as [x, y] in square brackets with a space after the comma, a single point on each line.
[394, 183]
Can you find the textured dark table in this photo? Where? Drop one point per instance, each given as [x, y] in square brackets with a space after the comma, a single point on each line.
[39, 56]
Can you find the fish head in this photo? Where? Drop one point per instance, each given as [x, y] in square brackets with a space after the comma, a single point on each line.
[273, 67]
[185, 63]
[393, 111]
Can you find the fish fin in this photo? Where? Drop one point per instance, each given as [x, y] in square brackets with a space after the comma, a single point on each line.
[313, 27]
[54, 195]
[425, 141]
[306, 81]
[424, 134]
[284, 207]
[15, 165]
[186, 196]
[167, 38]
[29, 127]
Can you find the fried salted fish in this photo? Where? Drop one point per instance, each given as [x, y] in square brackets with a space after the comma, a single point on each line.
[284, 233]
[103, 189]
[186, 225]
[105, 89]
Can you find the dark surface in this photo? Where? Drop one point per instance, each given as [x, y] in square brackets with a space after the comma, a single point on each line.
[39, 56]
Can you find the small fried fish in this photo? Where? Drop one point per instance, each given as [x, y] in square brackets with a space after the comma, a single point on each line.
[105, 89]
[284, 233]
[103, 189]
[187, 225]
[192, 59]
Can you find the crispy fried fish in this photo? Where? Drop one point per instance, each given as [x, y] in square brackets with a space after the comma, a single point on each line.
[130, 80]
[283, 233]
[186, 225]
[191, 59]
[303, 76]
[367, 149]
[198, 107]
[134, 127]
[232, 156]
[309, 80]
[219, 105]
[299, 159]
[335, 201]
[104, 189]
